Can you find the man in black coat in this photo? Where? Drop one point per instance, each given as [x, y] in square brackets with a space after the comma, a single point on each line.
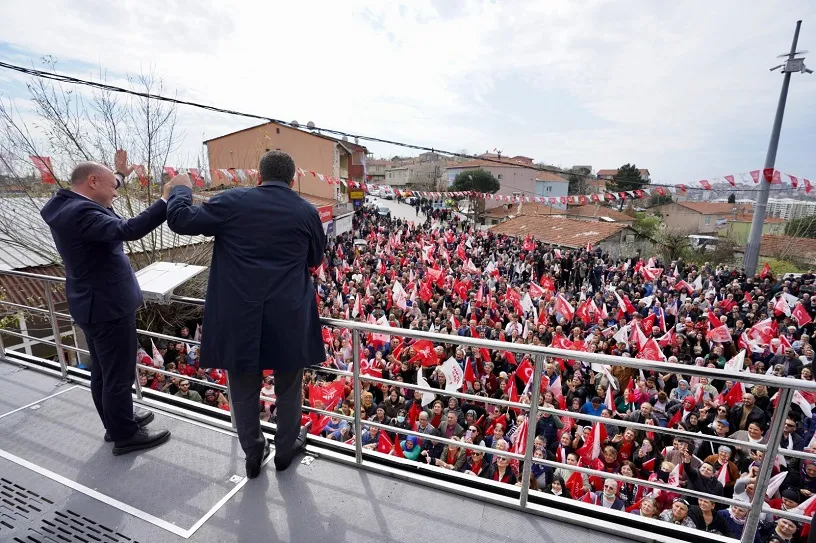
[103, 293]
[261, 311]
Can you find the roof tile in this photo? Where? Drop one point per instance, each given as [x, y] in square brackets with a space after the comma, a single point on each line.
[559, 231]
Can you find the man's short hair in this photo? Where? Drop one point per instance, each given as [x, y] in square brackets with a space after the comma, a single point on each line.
[276, 166]
[83, 170]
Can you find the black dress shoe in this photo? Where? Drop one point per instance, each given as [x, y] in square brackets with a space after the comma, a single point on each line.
[254, 463]
[143, 439]
[283, 462]
[143, 417]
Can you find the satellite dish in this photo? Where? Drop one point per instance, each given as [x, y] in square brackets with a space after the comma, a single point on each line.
[295, 124]
[310, 125]
[345, 138]
[357, 141]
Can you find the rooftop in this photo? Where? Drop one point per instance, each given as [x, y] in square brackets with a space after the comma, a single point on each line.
[643, 171]
[26, 241]
[781, 246]
[714, 208]
[351, 146]
[479, 163]
[560, 231]
[550, 176]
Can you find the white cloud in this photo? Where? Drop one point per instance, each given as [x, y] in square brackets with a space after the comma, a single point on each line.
[682, 88]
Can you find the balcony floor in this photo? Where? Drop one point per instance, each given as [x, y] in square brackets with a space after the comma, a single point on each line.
[59, 478]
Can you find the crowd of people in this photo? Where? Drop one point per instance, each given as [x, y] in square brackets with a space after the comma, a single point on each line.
[442, 275]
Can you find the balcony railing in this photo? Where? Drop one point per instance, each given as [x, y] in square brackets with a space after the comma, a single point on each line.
[511, 496]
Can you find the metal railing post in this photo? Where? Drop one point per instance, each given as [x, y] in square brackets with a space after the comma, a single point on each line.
[532, 421]
[2, 346]
[138, 384]
[229, 399]
[358, 438]
[774, 437]
[55, 328]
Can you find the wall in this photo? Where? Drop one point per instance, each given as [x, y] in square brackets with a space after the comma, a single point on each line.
[513, 179]
[244, 150]
[681, 218]
[553, 189]
[738, 231]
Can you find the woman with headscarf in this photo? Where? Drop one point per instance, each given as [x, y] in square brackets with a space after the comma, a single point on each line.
[678, 513]
[735, 518]
[557, 488]
[682, 390]
[705, 518]
[411, 448]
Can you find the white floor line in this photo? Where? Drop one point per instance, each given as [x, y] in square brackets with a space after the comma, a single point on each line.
[38, 401]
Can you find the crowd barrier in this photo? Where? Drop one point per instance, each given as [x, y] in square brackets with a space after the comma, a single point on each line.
[517, 496]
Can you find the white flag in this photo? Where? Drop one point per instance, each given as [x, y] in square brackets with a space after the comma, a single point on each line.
[158, 359]
[427, 397]
[737, 363]
[454, 376]
[622, 335]
[698, 283]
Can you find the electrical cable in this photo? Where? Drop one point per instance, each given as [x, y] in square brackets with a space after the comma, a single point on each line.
[112, 88]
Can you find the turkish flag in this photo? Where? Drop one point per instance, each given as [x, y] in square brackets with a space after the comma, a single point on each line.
[197, 179]
[384, 444]
[547, 283]
[330, 395]
[801, 315]
[425, 292]
[43, 165]
[398, 450]
[327, 336]
[525, 371]
[766, 271]
[781, 307]
[732, 397]
[510, 357]
[470, 376]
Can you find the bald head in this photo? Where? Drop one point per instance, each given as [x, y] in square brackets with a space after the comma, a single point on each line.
[84, 170]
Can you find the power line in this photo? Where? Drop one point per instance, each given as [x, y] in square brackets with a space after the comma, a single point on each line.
[112, 88]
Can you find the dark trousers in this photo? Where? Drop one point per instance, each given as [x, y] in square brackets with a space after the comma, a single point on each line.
[245, 389]
[113, 368]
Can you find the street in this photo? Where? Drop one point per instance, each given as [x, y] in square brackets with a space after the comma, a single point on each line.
[400, 210]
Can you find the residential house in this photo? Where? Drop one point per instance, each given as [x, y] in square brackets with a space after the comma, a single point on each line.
[551, 184]
[376, 168]
[312, 151]
[516, 177]
[569, 233]
[698, 217]
[610, 174]
[739, 227]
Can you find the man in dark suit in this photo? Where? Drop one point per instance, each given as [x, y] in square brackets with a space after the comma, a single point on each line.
[261, 311]
[103, 293]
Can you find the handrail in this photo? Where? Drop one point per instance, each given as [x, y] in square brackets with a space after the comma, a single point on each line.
[538, 353]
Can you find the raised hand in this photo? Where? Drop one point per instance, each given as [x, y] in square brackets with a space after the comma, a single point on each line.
[120, 162]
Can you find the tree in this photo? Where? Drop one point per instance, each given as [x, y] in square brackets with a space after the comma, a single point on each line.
[71, 125]
[672, 243]
[626, 178]
[477, 181]
[804, 227]
[646, 225]
[577, 179]
[658, 199]
[732, 198]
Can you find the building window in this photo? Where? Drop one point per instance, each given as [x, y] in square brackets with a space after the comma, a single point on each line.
[707, 220]
[499, 176]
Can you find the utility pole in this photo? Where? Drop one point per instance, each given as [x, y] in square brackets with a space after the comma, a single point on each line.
[791, 65]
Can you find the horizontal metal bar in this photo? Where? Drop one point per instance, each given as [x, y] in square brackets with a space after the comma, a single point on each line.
[347, 418]
[446, 441]
[605, 359]
[464, 395]
[76, 349]
[658, 429]
[641, 482]
[797, 454]
[26, 336]
[187, 300]
[25, 307]
[180, 377]
[48, 278]
[787, 514]
[165, 336]
[335, 371]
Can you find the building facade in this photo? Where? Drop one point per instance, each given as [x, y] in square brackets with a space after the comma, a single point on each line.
[311, 151]
[789, 209]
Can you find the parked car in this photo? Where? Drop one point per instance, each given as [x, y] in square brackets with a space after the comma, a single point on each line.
[383, 211]
[388, 194]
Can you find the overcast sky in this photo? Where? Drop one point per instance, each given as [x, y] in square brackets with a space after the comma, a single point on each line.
[681, 88]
